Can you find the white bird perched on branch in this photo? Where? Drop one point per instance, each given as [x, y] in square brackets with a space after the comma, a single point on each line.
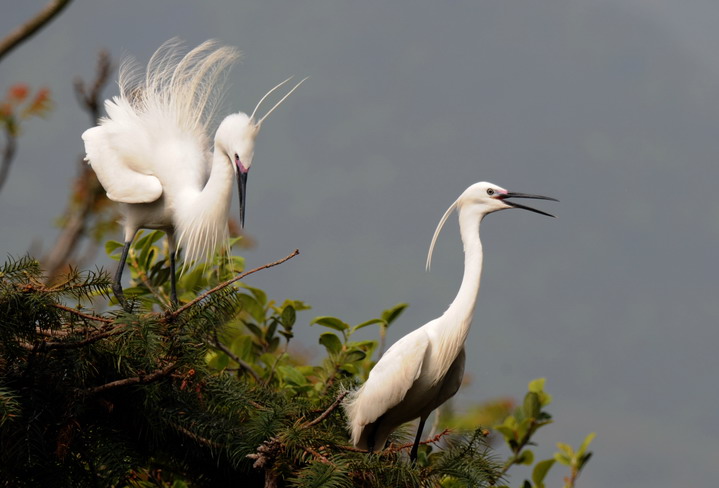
[151, 152]
[424, 369]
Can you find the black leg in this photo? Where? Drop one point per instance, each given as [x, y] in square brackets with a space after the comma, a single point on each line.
[173, 284]
[117, 285]
[415, 447]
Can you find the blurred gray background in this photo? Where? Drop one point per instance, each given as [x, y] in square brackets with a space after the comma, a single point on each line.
[611, 106]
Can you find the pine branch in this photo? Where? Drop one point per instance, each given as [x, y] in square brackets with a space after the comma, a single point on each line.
[227, 283]
[236, 358]
[81, 314]
[141, 379]
[327, 412]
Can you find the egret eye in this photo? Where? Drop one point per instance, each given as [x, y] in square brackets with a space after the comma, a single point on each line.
[490, 191]
[237, 158]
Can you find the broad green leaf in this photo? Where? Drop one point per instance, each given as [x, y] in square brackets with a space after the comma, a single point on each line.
[355, 356]
[531, 405]
[331, 322]
[252, 307]
[583, 460]
[365, 324]
[562, 458]
[537, 385]
[526, 457]
[291, 375]
[540, 471]
[331, 342]
[506, 432]
[259, 295]
[288, 317]
[391, 314]
[256, 331]
[585, 444]
[111, 247]
[565, 448]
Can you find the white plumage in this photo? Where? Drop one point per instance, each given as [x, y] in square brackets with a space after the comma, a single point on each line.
[151, 153]
[424, 369]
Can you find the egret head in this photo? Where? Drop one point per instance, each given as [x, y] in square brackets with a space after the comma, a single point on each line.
[484, 198]
[236, 137]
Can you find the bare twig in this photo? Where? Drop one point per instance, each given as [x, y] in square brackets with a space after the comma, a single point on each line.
[89, 340]
[327, 412]
[236, 358]
[197, 438]
[7, 156]
[78, 214]
[227, 283]
[141, 379]
[25, 31]
[393, 449]
[82, 314]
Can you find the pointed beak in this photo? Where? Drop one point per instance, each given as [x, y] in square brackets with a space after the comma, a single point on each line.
[242, 191]
[504, 197]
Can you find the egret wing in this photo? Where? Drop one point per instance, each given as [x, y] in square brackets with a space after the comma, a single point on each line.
[390, 379]
[114, 150]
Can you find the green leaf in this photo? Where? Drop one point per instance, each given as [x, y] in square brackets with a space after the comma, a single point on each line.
[288, 317]
[355, 355]
[292, 376]
[540, 471]
[507, 432]
[585, 444]
[331, 322]
[562, 458]
[526, 457]
[111, 247]
[391, 314]
[365, 324]
[331, 342]
[531, 405]
[537, 385]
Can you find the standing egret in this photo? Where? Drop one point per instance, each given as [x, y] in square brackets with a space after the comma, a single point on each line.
[151, 153]
[424, 369]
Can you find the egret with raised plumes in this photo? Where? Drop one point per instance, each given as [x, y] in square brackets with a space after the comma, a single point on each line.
[151, 153]
[424, 369]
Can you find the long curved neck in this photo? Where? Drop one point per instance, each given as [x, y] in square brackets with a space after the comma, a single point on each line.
[452, 327]
[462, 308]
[203, 227]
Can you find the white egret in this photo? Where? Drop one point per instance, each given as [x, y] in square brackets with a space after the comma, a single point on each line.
[424, 369]
[151, 153]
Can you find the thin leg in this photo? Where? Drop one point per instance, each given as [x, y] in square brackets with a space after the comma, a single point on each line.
[172, 246]
[415, 447]
[117, 285]
[173, 284]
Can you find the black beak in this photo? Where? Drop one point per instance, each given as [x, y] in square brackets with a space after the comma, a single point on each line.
[242, 191]
[526, 195]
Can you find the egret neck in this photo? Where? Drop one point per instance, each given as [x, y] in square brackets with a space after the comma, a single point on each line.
[451, 331]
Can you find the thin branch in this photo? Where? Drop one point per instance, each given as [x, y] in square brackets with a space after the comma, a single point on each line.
[319, 456]
[227, 283]
[82, 314]
[327, 412]
[84, 342]
[7, 156]
[197, 438]
[141, 379]
[393, 449]
[236, 359]
[78, 214]
[25, 31]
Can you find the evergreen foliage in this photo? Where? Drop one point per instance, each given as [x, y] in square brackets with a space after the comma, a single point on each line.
[204, 395]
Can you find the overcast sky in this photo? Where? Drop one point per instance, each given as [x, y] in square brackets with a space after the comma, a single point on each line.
[611, 106]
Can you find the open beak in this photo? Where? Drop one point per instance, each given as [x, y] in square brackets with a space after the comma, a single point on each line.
[242, 191]
[504, 197]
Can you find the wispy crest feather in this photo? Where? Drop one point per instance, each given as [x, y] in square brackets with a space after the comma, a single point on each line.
[186, 88]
